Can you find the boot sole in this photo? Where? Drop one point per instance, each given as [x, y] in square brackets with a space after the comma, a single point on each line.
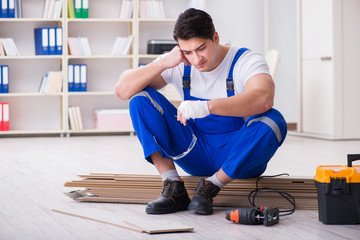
[176, 208]
[200, 209]
[166, 210]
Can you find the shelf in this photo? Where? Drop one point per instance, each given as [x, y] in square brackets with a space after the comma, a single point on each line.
[90, 93]
[100, 57]
[167, 20]
[40, 114]
[31, 57]
[150, 56]
[100, 131]
[7, 20]
[34, 132]
[30, 95]
[99, 20]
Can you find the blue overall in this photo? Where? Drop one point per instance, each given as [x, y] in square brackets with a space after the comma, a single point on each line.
[241, 148]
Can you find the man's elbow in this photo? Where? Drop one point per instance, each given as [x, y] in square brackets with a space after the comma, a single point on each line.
[267, 104]
[121, 91]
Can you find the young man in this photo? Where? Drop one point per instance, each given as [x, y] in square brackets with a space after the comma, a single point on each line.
[225, 128]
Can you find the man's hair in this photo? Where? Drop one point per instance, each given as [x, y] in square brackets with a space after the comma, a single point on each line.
[194, 23]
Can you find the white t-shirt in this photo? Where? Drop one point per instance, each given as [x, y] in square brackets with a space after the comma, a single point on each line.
[212, 85]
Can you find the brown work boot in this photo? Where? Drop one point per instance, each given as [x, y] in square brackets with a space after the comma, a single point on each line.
[173, 198]
[202, 202]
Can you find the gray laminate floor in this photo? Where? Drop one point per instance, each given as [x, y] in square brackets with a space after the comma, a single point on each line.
[33, 171]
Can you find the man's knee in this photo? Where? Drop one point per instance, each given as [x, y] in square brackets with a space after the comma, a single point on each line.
[143, 99]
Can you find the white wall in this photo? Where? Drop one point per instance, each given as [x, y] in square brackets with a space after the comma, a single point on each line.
[283, 37]
[242, 23]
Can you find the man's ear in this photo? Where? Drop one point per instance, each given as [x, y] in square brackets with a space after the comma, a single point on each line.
[216, 37]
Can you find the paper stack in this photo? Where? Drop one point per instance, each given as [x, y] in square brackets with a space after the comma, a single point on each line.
[51, 82]
[151, 9]
[79, 46]
[52, 9]
[75, 118]
[126, 9]
[122, 45]
[8, 47]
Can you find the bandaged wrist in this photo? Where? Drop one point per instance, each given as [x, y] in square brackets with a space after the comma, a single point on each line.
[194, 109]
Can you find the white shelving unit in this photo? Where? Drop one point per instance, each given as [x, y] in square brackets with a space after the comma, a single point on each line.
[34, 113]
[31, 112]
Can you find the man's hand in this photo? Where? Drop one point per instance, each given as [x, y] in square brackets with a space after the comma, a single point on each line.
[192, 109]
[173, 58]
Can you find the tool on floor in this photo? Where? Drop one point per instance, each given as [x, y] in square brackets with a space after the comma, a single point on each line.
[261, 215]
[254, 216]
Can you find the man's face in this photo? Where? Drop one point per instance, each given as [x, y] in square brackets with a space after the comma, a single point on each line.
[201, 53]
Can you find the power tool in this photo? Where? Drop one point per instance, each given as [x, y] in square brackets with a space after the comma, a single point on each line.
[254, 216]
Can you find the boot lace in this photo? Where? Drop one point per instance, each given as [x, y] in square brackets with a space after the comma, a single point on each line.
[206, 190]
[166, 188]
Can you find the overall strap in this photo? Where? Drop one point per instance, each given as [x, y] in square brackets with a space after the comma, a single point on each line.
[229, 80]
[186, 81]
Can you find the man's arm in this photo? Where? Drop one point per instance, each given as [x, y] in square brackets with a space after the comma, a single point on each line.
[258, 97]
[132, 81]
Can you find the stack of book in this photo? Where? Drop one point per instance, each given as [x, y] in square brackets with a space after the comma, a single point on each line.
[4, 79]
[133, 188]
[48, 41]
[4, 117]
[52, 9]
[51, 83]
[8, 47]
[126, 9]
[151, 9]
[10, 9]
[79, 46]
[122, 45]
[77, 77]
[78, 8]
[75, 118]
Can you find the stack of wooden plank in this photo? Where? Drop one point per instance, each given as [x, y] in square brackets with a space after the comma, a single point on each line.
[133, 188]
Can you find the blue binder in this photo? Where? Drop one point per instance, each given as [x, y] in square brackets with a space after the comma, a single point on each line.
[4, 9]
[71, 78]
[76, 77]
[83, 77]
[11, 8]
[59, 41]
[4, 79]
[52, 41]
[41, 41]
